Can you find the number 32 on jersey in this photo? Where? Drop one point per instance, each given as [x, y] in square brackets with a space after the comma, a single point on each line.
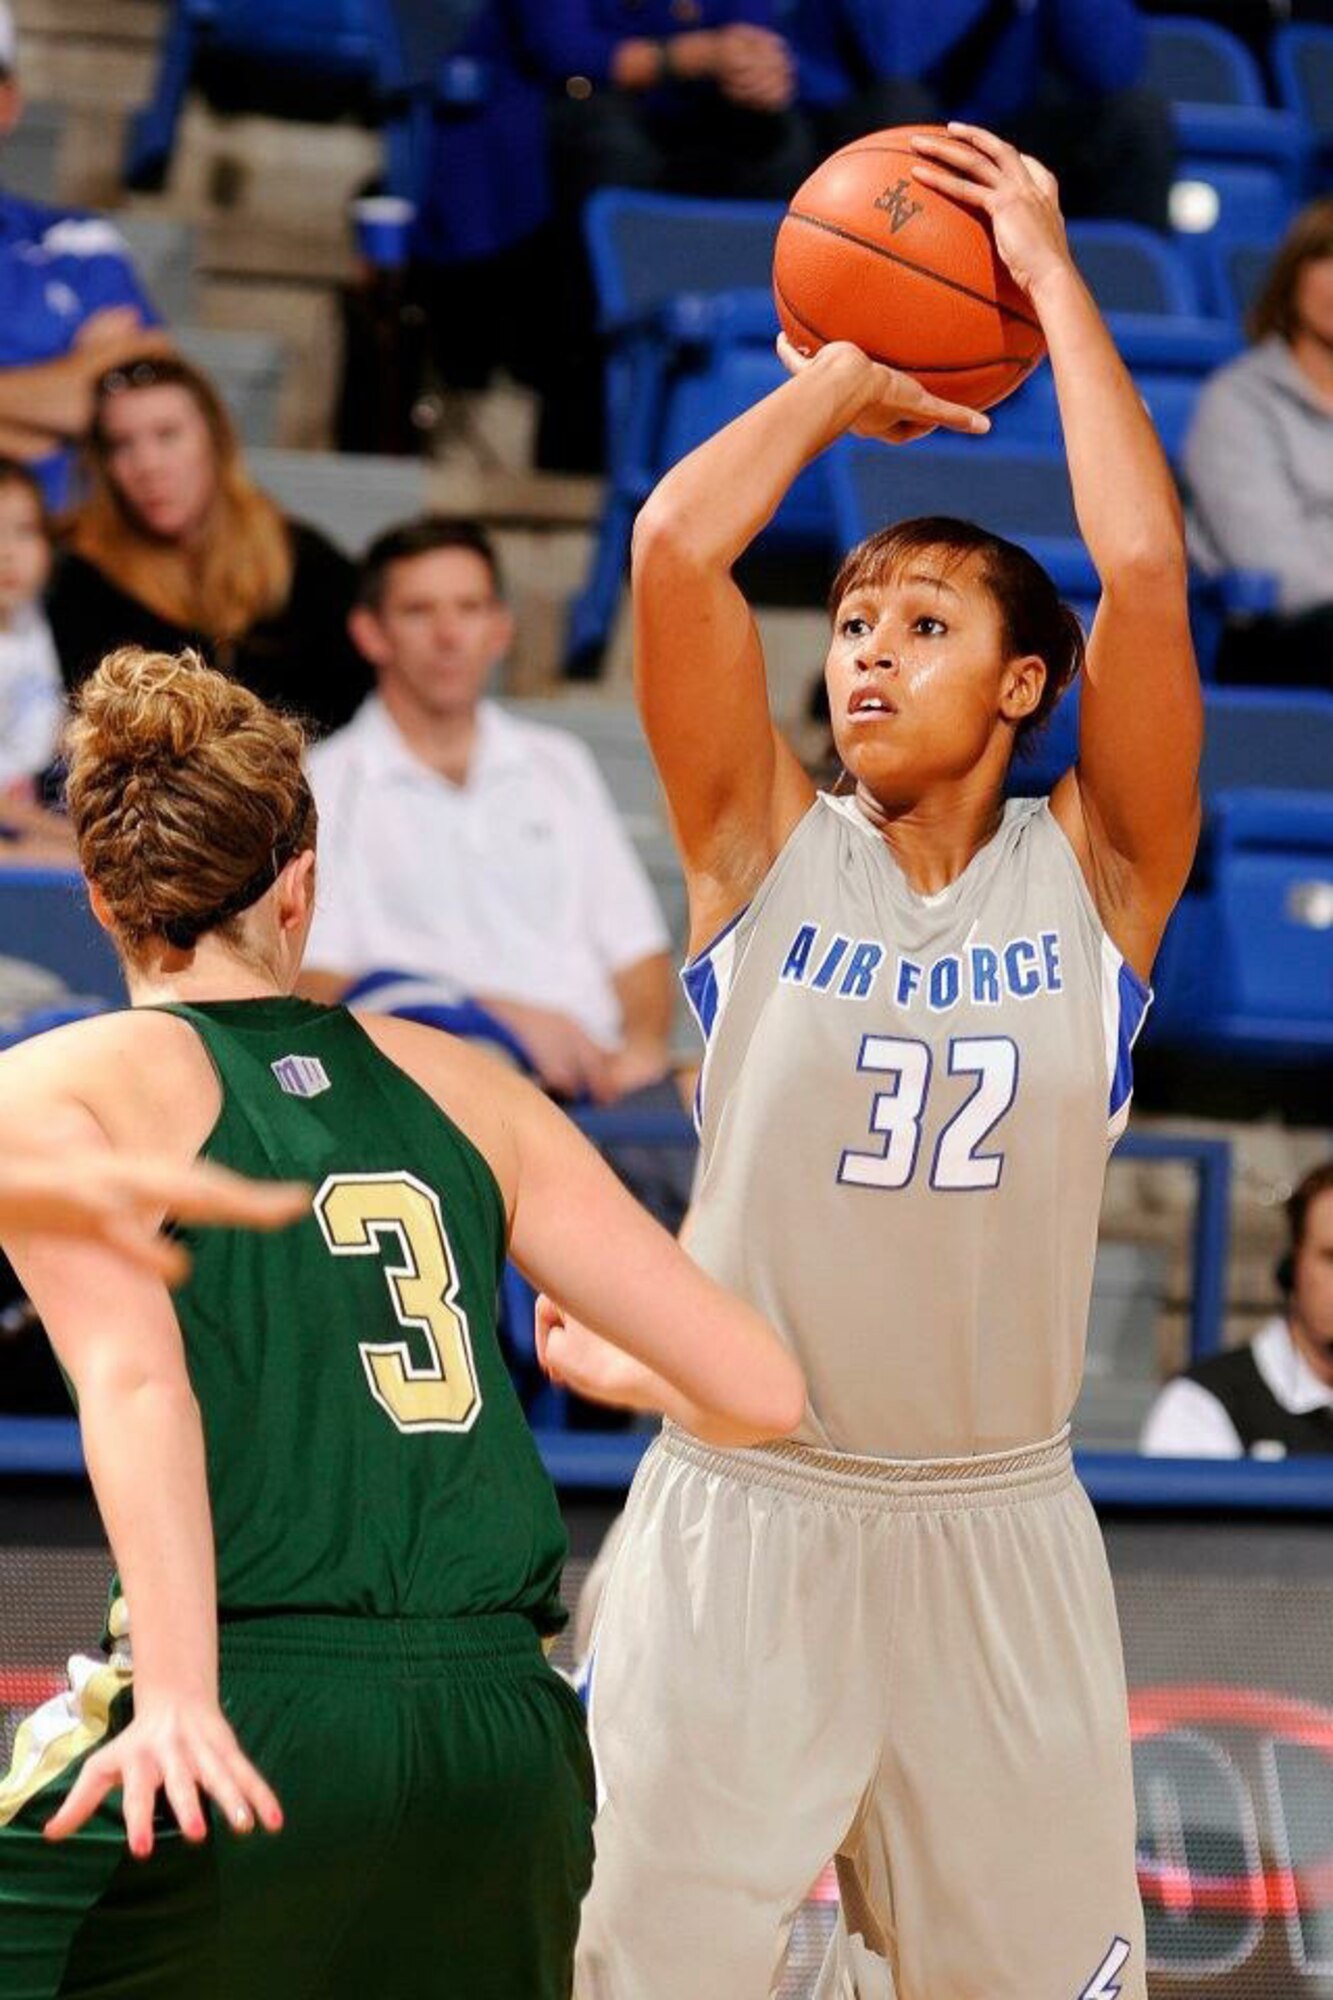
[959, 1163]
[378, 1215]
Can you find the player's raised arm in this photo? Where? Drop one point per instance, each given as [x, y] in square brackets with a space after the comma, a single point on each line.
[1131, 807]
[734, 787]
[115, 1333]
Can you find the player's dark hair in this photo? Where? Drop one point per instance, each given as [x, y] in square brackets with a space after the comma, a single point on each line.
[1309, 238]
[424, 536]
[1032, 617]
[13, 472]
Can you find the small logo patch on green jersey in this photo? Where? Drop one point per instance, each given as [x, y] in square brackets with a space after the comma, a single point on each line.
[301, 1076]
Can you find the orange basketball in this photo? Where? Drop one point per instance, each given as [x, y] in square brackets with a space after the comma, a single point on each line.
[866, 253]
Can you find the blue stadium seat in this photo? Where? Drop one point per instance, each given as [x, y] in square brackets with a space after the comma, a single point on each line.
[1234, 204]
[1302, 58]
[1277, 739]
[1216, 90]
[1235, 268]
[1149, 289]
[1019, 489]
[685, 306]
[1246, 968]
[1032, 414]
[1131, 269]
[45, 921]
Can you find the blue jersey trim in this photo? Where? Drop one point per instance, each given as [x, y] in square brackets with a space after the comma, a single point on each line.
[1134, 999]
[699, 978]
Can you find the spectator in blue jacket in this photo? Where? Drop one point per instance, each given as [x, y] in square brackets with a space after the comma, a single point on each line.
[71, 307]
[1060, 78]
[481, 254]
[690, 97]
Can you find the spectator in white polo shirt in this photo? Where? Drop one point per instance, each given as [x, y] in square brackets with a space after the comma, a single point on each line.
[1273, 1398]
[476, 853]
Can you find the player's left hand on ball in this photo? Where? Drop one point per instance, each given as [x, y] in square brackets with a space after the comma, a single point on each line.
[1018, 194]
[895, 408]
[182, 1749]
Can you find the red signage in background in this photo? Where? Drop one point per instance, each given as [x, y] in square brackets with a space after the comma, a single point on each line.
[1235, 1842]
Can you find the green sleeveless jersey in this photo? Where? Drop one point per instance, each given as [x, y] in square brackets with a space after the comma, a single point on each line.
[366, 1449]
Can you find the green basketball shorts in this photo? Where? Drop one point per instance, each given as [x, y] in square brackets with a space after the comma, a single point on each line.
[438, 1797]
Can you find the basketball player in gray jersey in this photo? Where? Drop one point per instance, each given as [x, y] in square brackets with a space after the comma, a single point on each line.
[895, 1639]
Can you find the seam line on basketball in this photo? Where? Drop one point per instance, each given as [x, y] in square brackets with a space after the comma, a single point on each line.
[906, 367]
[921, 270]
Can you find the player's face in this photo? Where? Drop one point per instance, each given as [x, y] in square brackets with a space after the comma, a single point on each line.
[917, 676]
[25, 555]
[1314, 299]
[160, 458]
[1311, 1311]
[438, 632]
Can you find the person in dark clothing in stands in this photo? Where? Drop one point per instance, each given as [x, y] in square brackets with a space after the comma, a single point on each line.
[691, 97]
[1060, 78]
[176, 547]
[1273, 1398]
[480, 245]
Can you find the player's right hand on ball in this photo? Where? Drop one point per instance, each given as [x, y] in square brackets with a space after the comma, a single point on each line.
[893, 407]
[180, 1748]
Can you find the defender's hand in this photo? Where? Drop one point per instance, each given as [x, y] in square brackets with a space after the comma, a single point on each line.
[179, 1747]
[118, 1199]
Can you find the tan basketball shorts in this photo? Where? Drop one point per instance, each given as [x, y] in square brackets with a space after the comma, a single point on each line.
[912, 1666]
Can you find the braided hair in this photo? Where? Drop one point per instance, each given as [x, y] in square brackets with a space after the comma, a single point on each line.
[186, 795]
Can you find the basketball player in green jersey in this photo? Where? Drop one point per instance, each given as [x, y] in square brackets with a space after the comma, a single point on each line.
[336, 1545]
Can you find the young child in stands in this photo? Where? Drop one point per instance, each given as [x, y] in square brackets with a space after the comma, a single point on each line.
[31, 696]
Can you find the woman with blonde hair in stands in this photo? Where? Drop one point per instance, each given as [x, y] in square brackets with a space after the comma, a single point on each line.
[1259, 466]
[174, 545]
[332, 1531]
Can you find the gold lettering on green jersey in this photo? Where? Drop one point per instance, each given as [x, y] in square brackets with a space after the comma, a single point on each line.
[397, 1217]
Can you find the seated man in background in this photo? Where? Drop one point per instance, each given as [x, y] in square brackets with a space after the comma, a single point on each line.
[474, 851]
[1274, 1397]
[71, 307]
[690, 99]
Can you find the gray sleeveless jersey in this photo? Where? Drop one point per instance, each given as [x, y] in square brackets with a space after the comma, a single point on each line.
[906, 1106]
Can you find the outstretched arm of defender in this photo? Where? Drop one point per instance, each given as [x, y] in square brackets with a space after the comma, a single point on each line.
[119, 1200]
[116, 1335]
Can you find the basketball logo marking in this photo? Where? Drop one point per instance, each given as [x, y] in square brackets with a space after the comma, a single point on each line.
[898, 205]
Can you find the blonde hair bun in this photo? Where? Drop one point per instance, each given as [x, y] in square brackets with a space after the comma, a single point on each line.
[182, 784]
[141, 708]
